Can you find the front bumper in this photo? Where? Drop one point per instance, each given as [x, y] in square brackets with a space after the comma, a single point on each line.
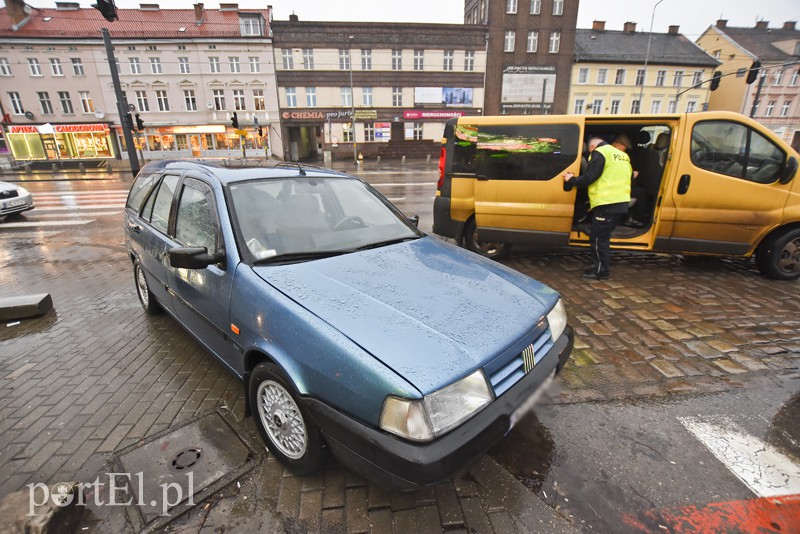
[403, 465]
[10, 206]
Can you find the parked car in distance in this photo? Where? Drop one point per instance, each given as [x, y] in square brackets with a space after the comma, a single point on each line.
[352, 331]
[14, 199]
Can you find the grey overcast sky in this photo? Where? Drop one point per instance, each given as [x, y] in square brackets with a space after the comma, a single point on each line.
[693, 16]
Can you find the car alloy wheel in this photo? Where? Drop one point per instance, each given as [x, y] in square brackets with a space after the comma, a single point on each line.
[146, 298]
[488, 249]
[282, 420]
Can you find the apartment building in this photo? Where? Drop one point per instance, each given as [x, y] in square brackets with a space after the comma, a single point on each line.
[184, 73]
[776, 93]
[609, 75]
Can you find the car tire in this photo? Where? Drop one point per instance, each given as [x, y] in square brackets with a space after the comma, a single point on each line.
[493, 251]
[780, 256]
[282, 420]
[146, 298]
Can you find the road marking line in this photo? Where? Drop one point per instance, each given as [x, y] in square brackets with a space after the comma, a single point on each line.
[86, 207]
[398, 199]
[764, 469]
[30, 215]
[77, 222]
[79, 193]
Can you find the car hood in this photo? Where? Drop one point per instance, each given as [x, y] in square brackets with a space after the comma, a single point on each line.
[430, 311]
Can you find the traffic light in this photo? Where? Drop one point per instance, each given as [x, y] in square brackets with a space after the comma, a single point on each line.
[107, 9]
[715, 80]
[139, 123]
[127, 121]
[235, 121]
[752, 74]
[260, 131]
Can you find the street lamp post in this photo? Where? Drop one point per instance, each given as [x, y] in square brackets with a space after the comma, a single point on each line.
[352, 103]
[647, 55]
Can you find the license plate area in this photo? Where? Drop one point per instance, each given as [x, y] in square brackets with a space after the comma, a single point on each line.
[523, 409]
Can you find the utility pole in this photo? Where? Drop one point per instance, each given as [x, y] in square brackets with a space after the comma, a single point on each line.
[352, 103]
[122, 103]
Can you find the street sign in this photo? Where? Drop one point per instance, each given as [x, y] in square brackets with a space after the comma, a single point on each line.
[241, 132]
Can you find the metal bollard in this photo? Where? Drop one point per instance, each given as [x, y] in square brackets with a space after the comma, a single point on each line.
[54, 167]
[403, 161]
[82, 168]
[378, 160]
[428, 159]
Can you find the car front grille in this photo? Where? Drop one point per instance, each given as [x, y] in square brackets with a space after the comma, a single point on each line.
[9, 193]
[509, 368]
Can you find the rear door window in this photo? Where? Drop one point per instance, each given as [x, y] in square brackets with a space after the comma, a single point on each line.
[159, 204]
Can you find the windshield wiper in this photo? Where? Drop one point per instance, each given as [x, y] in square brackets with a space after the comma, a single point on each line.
[299, 256]
[387, 242]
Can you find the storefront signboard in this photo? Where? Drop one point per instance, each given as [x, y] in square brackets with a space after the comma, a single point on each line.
[415, 114]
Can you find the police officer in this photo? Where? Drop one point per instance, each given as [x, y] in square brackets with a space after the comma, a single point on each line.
[608, 180]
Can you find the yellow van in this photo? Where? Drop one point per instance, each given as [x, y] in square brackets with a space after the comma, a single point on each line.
[713, 183]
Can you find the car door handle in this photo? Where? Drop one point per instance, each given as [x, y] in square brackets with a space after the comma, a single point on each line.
[135, 228]
[481, 177]
[683, 184]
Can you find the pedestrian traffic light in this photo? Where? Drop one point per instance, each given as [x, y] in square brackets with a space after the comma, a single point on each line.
[139, 123]
[715, 80]
[127, 121]
[107, 9]
[752, 74]
[235, 121]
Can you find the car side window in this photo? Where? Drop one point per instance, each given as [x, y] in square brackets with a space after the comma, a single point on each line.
[733, 149]
[159, 218]
[139, 190]
[196, 221]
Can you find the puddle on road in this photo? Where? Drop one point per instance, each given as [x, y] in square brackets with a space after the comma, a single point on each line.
[527, 452]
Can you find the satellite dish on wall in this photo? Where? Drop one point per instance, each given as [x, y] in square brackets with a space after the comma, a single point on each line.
[29, 115]
[210, 105]
[99, 114]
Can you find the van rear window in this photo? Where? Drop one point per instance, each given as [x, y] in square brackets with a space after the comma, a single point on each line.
[514, 152]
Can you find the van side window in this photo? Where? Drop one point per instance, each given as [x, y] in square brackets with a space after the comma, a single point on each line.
[515, 152]
[734, 149]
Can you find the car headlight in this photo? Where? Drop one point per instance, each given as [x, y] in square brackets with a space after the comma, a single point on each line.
[21, 191]
[557, 318]
[435, 414]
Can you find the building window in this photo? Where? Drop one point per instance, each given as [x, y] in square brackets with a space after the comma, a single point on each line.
[250, 25]
[717, 53]
[346, 96]
[347, 132]
[255, 64]
[44, 101]
[655, 106]
[308, 58]
[16, 103]
[787, 104]
[419, 60]
[291, 97]
[533, 42]
[66, 103]
[555, 42]
[5, 68]
[219, 99]
[238, 100]
[136, 67]
[615, 104]
[449, 56]
[597, 106]
[795, 76]
[55, 66]
[672, 106]
[344, 59]
[416, 131]
[141, 100]
[181, 47]
[536, 7]
[397, 96]
[288, 59]
[86, 102]
[151, 48]
[189, 100]
[697, 79]
[511, 7]
[558, 7]
[639, 77]
[660, 76]
[259, 104]
[619, 79]
[770, 108]
[366, 96]
[36, 69]
[77, 66]
[155, 65]
[234, 64]
[311, 97]
[601, 76]
[691, 106]
[397, 59]
[183, 65]
[366, 59]
[583, 75]
[213, 62]
[677, 78]
[635, 107]
[778, 77]
[579, 103]
[162, 100]
[509, 41]
[469, 60]
[369, 131]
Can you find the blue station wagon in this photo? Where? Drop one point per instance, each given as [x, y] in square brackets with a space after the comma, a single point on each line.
[353, 332]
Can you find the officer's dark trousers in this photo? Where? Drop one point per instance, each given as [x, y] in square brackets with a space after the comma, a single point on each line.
[604, 220]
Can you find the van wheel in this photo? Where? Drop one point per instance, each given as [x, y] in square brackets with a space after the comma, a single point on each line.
[780, 256]
[494, 251]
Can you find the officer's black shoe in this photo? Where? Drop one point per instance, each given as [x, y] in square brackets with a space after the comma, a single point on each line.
[595, 275]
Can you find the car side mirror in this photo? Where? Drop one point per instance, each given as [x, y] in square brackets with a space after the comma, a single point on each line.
[193, 257]
[788, 171]
[414, 220]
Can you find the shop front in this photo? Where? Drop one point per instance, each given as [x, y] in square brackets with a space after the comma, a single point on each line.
[199, 141]
[45, 142]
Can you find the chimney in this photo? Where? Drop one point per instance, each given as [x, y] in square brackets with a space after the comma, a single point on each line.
[17, 12]
[674, 30]
[198, 13]
[293, 18]
[68, 6]
[228, 7]
[630, 27]
[148, 7]
[722, 23]
[599, 25]
[789, 25]
[762, 24]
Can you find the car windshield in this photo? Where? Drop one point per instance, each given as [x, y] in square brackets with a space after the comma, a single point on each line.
[302, 218]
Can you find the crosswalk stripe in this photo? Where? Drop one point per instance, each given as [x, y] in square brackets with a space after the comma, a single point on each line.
[83, 193]
[405, 184]
[70, 208]
[91, 214]
[77, 222]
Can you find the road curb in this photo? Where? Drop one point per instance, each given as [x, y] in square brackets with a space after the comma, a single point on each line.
[22, 307]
